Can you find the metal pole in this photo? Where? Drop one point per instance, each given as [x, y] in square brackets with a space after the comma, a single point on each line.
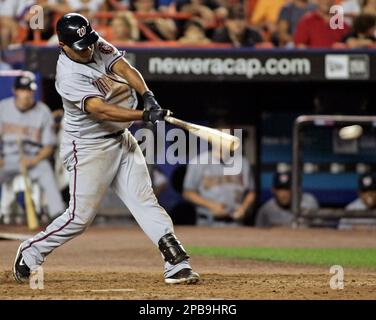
[319, 120]
[295, 187]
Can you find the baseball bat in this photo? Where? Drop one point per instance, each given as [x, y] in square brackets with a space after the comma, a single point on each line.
[213, 135]
[31, 216]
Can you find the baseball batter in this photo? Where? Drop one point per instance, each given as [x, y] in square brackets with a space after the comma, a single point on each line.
[98, 150]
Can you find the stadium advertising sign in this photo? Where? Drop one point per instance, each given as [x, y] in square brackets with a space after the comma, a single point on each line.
[239, 66]
[181, 64]
[347, 66]
[247, 68]
[266, 65]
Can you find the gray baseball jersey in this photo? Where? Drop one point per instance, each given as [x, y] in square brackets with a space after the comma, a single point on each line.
[96, 163]
[271, 214]
[76, 82]
[35, 128]
[348, 223]
[210, 182]
[357, 204]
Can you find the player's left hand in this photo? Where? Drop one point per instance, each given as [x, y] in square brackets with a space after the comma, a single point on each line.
[28, 162]
[154, 116]
[149, 101]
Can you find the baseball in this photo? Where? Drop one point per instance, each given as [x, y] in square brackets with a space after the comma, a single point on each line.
[351, 132]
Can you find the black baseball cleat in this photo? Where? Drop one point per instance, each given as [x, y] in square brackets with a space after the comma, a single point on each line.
[183, 276]
[21, 272]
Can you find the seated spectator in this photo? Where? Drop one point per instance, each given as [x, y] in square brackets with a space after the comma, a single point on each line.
[86, 7]
[164, 28]
[118, 5]
[351, 9]
[22, 117]
[124, 27]
[277, 210]
[207, 11]
[48, 21]
[289, 18]
[167, 6]
[236, 31]
[266, 13]
[11, 13]
[56, 6]
[369, 7]
[220, 199]
[194, 34]
[365, 201]
[314, 31]
[199, 11]
[362, 34]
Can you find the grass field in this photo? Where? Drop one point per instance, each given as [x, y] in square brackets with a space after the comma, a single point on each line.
[346, 257]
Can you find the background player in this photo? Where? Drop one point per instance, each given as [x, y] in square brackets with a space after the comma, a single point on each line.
[220, 199]
[366, 201]
[100, 152]
[277, 210]
[21, 117]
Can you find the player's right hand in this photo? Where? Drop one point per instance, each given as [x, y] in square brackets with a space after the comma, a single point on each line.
[149, 101]
[218, 210]
[28, 162]
[154, 116]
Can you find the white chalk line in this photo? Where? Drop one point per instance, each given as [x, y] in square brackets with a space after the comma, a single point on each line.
[105, 290]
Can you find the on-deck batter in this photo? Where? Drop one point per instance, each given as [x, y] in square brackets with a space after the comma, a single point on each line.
[99, 152]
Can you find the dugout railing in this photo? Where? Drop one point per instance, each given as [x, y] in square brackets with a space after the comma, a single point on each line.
[306, 216]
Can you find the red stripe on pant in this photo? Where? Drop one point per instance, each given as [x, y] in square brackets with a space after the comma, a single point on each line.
[74, 203]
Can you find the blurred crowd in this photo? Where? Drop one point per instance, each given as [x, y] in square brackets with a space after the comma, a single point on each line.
[236, 23]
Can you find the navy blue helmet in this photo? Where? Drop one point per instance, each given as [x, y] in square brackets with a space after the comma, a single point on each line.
[75, 31]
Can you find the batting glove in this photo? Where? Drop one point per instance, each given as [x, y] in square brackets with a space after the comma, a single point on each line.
[154, 116]
[149, 101]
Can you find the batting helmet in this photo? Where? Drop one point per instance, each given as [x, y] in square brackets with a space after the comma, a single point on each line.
[75, 31]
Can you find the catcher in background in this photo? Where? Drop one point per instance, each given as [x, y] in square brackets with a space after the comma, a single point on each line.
[97, 86]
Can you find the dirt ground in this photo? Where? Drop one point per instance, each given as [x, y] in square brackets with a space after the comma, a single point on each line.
[121, 263]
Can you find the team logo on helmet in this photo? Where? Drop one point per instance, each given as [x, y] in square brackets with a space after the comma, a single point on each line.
[81, 31]
[284, 178]
[105, 48]
[367, 181]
